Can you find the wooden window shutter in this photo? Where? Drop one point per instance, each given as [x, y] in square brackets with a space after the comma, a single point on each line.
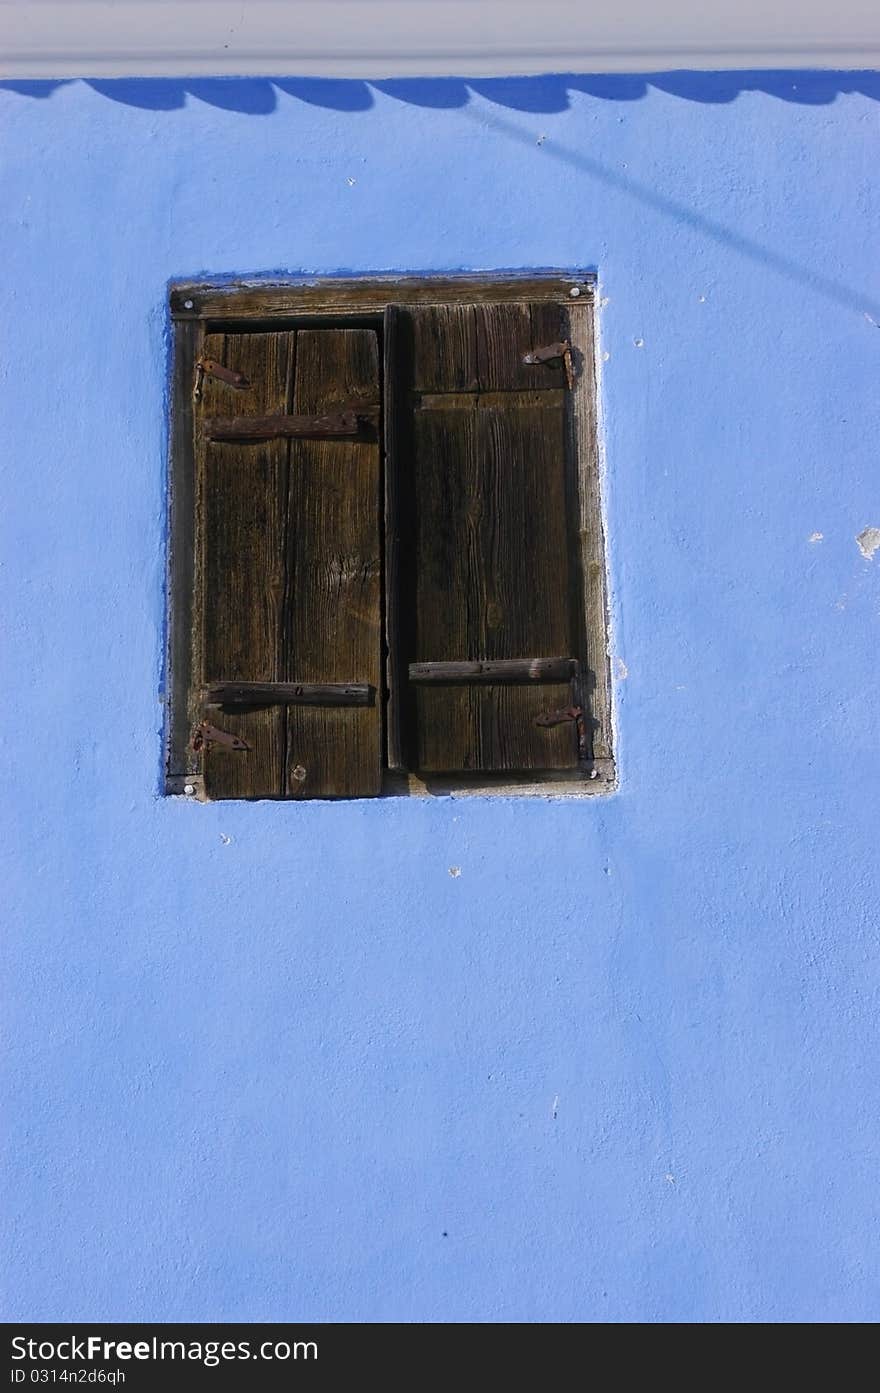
[288, 657]
[488, 628]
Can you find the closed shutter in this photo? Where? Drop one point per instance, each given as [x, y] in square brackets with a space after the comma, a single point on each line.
[289, 683]
[487, 625]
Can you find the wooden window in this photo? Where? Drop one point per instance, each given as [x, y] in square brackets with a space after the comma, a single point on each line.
[386, 555]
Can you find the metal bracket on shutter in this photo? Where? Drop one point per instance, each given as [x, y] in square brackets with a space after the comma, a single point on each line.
[209, 367]
[494, 670]
[205, 735]
[289, 694]
[553, 353]
[558, 718]
[338, 424]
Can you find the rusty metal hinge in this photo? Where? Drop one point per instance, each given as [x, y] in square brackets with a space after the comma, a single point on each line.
[558, 718]
[209, 367]
[553, 353]
[205, 735]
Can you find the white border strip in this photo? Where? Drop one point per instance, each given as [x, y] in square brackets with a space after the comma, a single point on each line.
[398, 38]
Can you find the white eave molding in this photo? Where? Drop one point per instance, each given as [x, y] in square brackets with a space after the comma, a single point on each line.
[410, 38]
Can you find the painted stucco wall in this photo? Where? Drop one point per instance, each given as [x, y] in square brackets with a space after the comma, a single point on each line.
[279, 1061]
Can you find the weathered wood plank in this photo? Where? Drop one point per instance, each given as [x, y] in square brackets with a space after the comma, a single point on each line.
[522, 467]
[439, 585]
[395, 393]
[498, 670]
[443, 347]
[506, 334]
[589, 542]
[244, 521]
[520, 475]
[490, 571]
[333, 602]
[486, 401]
[342, 423]
[334, 296]
[290, 694]
[591, 687]
[180, 759]
[481, 347]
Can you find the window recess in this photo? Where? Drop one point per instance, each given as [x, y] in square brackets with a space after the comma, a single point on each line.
[387, 564]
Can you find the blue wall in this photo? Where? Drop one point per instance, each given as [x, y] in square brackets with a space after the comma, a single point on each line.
[277, 1062]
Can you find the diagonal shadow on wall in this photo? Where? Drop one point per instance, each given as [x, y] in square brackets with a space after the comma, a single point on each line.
[806, 276]
[259, 96]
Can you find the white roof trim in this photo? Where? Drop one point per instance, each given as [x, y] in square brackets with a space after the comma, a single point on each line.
[396, 38]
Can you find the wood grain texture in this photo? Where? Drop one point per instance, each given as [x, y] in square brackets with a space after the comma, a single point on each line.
[335, 296]
[505, 334]
[480, 348]
[485, 401]
[496, 670]
[490, 569]
[341, 423]
[396, 433]
[180, 759]
[333, 601]
[289, 694]
[244, 521]
[589, 550]
[442, 342]
[481, 378]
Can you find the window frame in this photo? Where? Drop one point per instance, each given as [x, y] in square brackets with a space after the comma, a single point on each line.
[197, 306]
